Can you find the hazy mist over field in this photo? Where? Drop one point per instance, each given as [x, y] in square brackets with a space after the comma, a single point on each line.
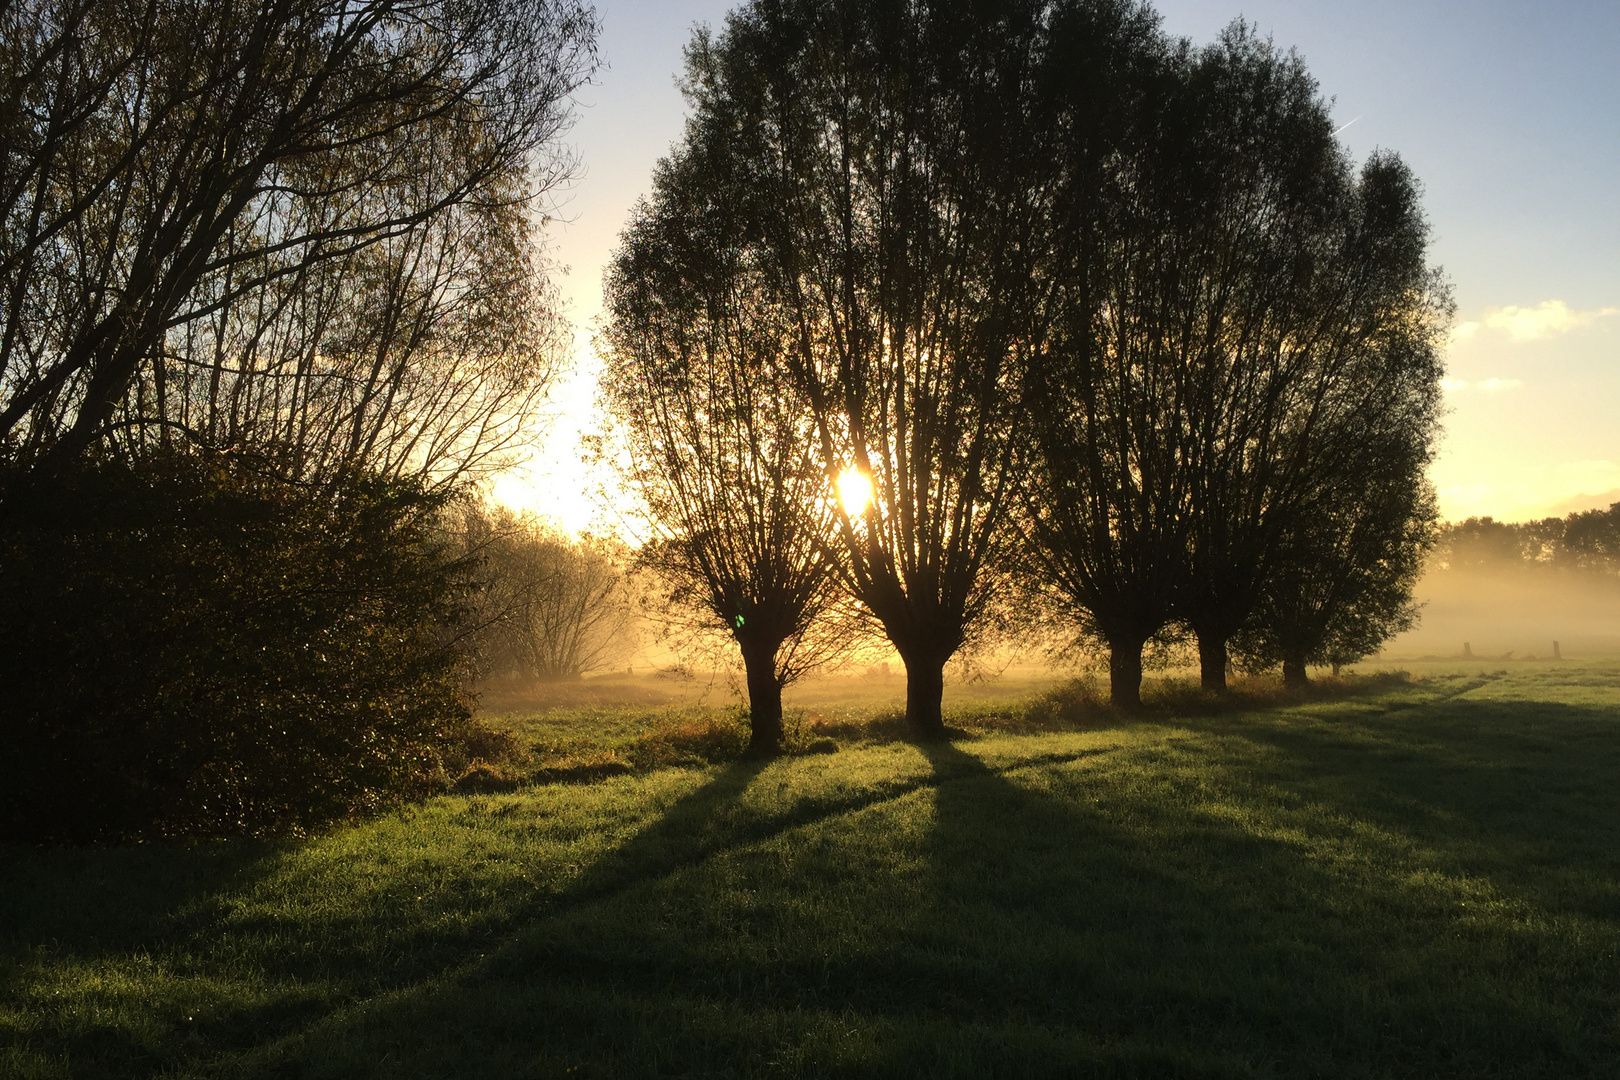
[1512, 610]
[1504, 612]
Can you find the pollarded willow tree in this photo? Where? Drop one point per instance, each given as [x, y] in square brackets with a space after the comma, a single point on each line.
[717, 440]
[891, 166]
[1353, 536]
[1105, 501]
[175, 175]
[1342, 582]
[1241, 311]
[1308, 325]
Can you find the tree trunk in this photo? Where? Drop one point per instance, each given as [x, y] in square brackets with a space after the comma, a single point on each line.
[1294, 673]
[764, 702]
[925, 689]
[1212, 662]
[1125, 674]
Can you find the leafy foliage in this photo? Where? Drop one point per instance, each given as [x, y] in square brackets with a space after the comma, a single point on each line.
[1342, 584]
[883, 182]
[191, 647]
[719, 442]
[298, 239]
[1249, 344]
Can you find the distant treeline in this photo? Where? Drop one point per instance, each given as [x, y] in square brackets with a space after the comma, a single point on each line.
[545, 605]
[1587, 542]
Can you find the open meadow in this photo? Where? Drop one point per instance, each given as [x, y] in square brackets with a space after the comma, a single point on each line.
[1390, 876]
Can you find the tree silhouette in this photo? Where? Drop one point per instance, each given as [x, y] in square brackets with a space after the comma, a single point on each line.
[166, 163]
[1242, 310]
[1106, 499]
[1315, 324]
[426, 353]
[719, 444]
[1341, 584]
[546, 606]
[891, 162]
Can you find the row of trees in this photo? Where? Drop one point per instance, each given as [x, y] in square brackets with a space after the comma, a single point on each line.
[1094, 311]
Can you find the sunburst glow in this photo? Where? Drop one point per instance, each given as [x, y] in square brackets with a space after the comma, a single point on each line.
[855, 490]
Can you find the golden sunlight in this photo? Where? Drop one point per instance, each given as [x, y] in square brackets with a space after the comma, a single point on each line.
[855, 489]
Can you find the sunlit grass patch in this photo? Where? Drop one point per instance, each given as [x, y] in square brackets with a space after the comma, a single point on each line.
[1081, 704]
[1418, 880]
[588, 743]
[574, 742]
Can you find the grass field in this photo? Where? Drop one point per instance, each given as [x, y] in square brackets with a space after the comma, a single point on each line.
[1400, 878]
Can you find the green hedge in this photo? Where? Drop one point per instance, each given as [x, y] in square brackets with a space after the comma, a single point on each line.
[192, 647]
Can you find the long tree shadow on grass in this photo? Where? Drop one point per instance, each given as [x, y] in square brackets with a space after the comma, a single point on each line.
[705, 819]
[1163, 910]
[1251, 898]
[130, 902]
[1526, 794]
[92, 901]
[187, 912]
[1155, 914]
[1202, 923]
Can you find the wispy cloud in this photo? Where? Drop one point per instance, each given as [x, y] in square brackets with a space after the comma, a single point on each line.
[1547, 319]
[1482, 386]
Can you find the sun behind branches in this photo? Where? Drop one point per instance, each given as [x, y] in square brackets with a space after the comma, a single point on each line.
[854, 490]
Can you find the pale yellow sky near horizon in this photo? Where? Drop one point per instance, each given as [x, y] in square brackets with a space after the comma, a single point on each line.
[1530, 393]
[1518, 394]
[1505, 109]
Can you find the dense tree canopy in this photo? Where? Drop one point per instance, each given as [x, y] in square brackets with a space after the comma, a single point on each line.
[193, 647]
[1105, 499]
[888, 167]
[1587, 541]
[1341, 579]
[1043, 258]
[1245, 316]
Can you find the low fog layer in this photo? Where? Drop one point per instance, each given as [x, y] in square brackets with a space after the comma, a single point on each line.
[1510, 590]
[1517, 611]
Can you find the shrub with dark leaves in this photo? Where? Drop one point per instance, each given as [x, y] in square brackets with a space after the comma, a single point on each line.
[192, 647]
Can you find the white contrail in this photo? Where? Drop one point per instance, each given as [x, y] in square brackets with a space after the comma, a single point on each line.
[1337, 133]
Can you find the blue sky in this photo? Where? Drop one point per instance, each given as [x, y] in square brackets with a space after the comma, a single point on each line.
[1509, 113]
